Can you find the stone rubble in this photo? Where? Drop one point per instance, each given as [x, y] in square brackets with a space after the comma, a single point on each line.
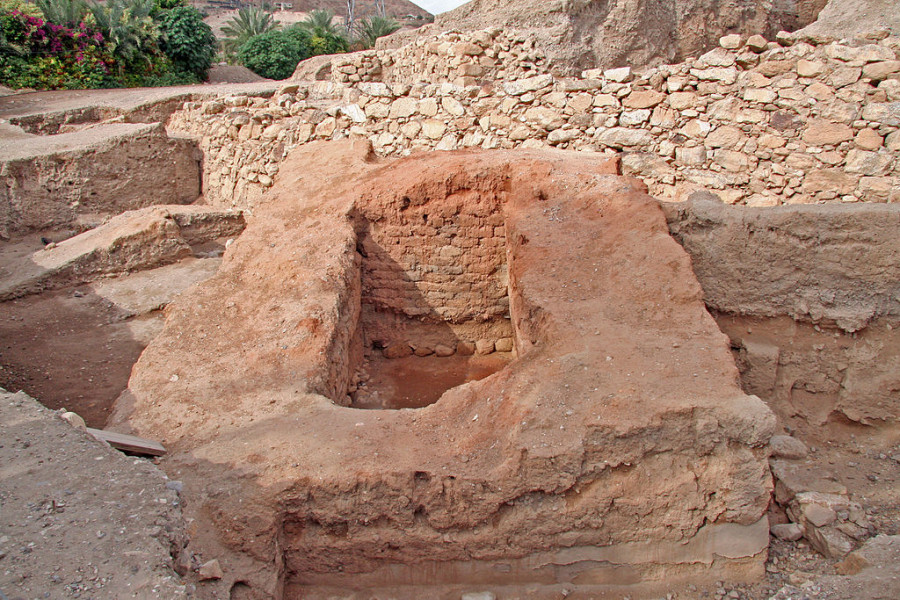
[819, 508]
[758, 123]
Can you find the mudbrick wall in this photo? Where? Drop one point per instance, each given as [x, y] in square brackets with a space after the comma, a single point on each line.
[443, 260]
[757, 122]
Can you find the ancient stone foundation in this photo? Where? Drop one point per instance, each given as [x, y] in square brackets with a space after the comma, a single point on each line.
[545, 474]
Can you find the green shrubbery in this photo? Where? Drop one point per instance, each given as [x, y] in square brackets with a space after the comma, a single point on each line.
[72, 44]
[119, 43]
[274, 53]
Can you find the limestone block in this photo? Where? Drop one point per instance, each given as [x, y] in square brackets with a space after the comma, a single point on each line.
[377, 110]
[428, 107]
[560, 136]
[433, 128]
[696, 128]
[354, 113]
[844, 76]
[731, 41]
[868, 139]
[606, 100]
[643, 99]
[735, 162]
[879, 189]
[375, 88]
[544, 117]
[694, 156]
[884, 113]
[633, 118]
[717, 57]
[760, 95]
[621, 137]
[878, 71]
[529, 84]
[580, 103]
[819, 91]
[820, 132]
[757, 43]
[725, 75]
[619, 75]
[868, 163]
[465, 348]
[785, 446]
[403, 108]
[725, 137]
[863, 54]
[828, 180]
[452, 106]
[810, 68]
[682, 100]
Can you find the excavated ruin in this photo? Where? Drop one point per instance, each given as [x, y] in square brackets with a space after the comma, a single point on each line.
[544, 474]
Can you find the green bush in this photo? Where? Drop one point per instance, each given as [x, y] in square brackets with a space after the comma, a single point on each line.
[275, 54]
[187, 40]
[327, 43]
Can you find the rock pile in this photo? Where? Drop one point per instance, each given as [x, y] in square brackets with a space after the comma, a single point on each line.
[759, 123]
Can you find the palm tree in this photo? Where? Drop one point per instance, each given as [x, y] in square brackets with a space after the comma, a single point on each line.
[249, 22]
[319, 23]
[127, 26]
[63, 12]
[372, 28]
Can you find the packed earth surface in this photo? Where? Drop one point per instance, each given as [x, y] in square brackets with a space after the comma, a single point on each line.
[468, 316]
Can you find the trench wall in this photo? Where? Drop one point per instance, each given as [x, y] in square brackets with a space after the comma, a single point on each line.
[77, 179]
[810, 298]
[760, 123]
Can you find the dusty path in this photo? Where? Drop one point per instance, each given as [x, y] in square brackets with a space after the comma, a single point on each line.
[122, 100]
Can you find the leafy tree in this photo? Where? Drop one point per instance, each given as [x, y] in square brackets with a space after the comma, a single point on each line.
[275, 54]
[372, 28]
[249, 22]
[187, 40]
[63, 12]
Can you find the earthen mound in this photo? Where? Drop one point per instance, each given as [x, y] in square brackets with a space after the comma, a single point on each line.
[544, 473]
[589, 33]
[851, 18]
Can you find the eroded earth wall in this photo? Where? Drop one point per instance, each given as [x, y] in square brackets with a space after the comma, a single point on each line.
[810, 296]
[759, 123]
[77, 179]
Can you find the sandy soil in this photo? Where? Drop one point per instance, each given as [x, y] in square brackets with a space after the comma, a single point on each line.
[77, 518]
[74, 348]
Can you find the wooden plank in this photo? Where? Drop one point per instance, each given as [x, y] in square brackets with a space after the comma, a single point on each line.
[128, 443]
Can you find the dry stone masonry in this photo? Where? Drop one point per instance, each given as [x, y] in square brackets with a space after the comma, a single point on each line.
[758, 123]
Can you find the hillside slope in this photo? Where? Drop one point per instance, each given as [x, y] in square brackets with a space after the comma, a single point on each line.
[578, 34]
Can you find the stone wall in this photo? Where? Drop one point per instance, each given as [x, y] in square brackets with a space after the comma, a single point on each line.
[758, 123]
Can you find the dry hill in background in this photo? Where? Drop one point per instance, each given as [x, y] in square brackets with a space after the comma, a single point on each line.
[578, 34]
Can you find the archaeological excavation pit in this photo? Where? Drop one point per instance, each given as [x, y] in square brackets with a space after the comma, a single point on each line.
[434, 295]
[541, 474]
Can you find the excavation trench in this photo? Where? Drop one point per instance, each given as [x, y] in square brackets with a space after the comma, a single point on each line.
[434, 301]
[551, 335]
